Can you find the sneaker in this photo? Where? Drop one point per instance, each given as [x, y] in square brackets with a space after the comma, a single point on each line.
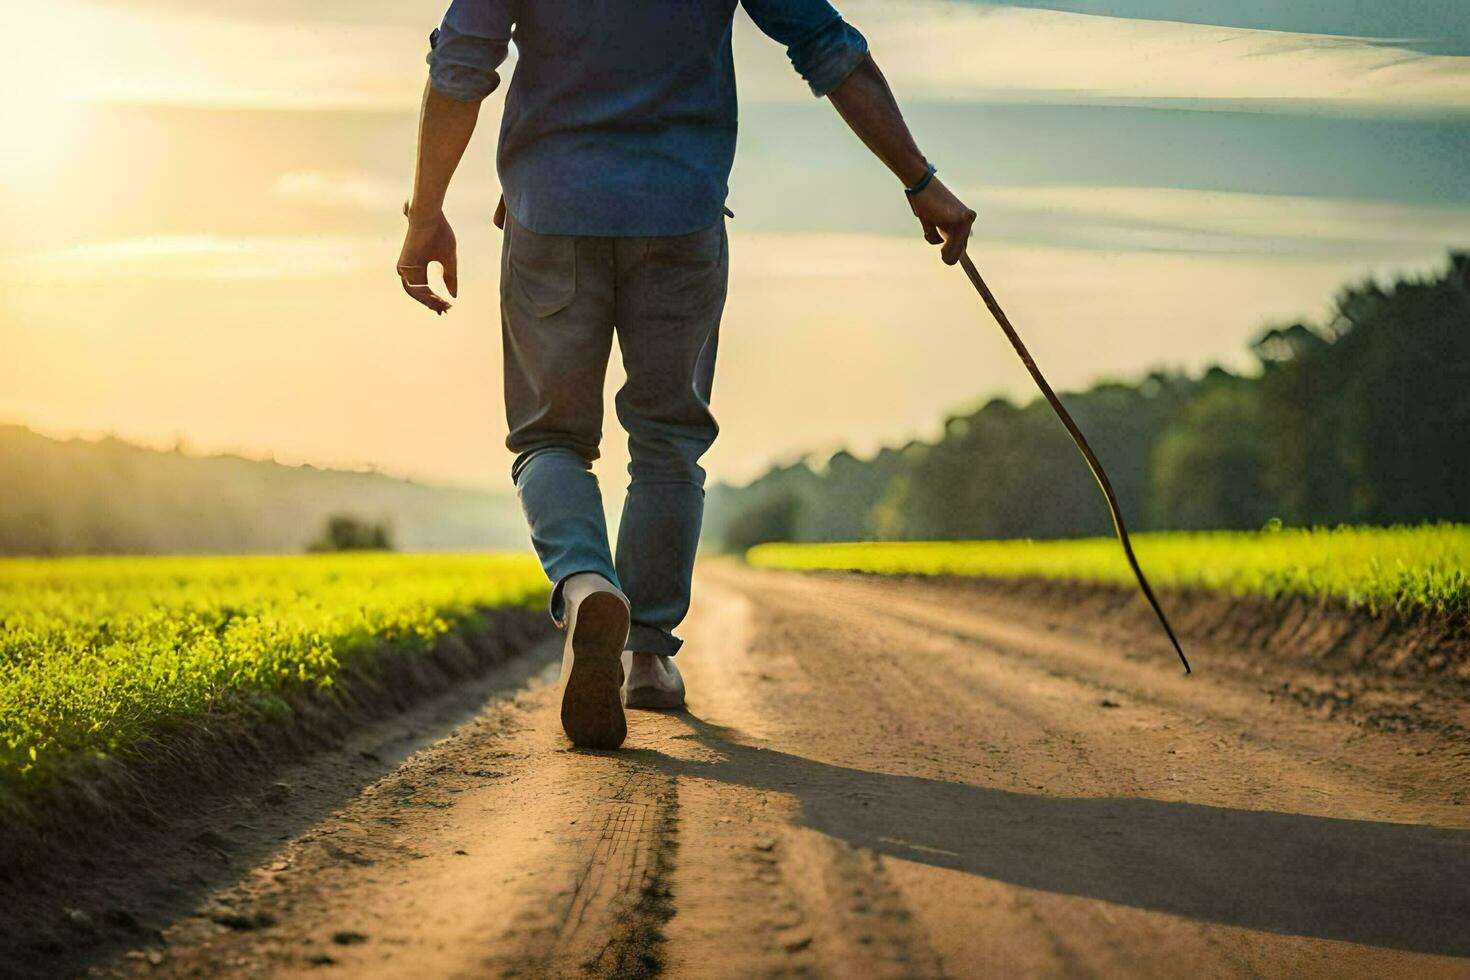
[597, 620]
[654, 683]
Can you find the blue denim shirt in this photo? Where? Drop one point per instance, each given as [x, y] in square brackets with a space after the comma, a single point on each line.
[620, 119]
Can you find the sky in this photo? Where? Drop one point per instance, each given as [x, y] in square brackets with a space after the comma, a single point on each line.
[200, 217]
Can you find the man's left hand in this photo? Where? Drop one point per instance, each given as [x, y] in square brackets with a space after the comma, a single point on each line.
[945, 219]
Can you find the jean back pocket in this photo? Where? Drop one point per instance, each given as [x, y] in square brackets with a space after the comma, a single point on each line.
[543, 270]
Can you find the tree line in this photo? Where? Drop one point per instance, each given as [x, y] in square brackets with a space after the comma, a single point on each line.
[1362, 419]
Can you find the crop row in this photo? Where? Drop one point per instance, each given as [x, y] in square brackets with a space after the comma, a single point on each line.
[1404, 568]
[99, 654]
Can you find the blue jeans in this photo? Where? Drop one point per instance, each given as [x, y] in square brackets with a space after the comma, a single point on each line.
[562, 298]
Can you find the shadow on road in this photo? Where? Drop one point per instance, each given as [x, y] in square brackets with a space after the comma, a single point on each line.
[1394, 885]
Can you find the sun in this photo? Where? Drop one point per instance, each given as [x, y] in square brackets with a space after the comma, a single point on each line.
[39, 111]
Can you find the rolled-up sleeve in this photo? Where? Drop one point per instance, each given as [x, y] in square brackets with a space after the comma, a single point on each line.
[823, 48]
[467, 48]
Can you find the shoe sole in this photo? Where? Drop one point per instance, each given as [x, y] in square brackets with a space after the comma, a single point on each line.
[591, 705]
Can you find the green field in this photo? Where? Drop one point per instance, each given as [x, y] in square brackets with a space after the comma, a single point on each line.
[97, 654]
[1399, 568]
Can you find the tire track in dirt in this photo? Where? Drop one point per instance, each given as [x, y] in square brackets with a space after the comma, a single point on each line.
[609, 918]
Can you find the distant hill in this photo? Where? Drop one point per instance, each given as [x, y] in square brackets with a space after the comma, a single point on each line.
[78, 496]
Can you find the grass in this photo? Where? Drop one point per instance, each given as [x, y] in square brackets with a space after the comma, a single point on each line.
[99, 654]
[1403, 568]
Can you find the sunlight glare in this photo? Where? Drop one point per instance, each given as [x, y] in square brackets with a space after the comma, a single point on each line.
[38, 114]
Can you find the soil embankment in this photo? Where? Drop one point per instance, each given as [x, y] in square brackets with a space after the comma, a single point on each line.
[1327, 635]
[1387, 670]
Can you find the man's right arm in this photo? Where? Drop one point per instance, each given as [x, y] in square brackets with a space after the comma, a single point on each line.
[464, 54]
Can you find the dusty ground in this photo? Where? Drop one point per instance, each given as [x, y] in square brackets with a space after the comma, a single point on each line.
[873, 779]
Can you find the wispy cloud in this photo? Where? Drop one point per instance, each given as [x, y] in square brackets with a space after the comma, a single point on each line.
[338, 189]
[931, 48]
[403, 12]
[1107, 219]
[1436, 26]
[152, 55]
[201, 257]
[940, 50]
[1118, 220]
[355, 190]
[1171, 219]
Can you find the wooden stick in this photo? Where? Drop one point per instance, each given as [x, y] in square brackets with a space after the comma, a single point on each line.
[1077, 437]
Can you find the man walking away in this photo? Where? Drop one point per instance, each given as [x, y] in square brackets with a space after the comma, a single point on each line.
[616, 145]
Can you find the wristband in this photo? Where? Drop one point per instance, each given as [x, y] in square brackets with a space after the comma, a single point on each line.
[922, 182]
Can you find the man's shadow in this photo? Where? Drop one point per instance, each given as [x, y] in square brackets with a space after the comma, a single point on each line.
[1394, 885]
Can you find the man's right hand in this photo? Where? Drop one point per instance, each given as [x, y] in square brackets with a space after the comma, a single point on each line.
[945, 219]
[429, 239]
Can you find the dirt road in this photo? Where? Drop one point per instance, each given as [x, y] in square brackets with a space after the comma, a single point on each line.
[873, 779]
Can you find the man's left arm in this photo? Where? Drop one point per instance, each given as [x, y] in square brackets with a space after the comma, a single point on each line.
[833, 58]
[866, 104]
